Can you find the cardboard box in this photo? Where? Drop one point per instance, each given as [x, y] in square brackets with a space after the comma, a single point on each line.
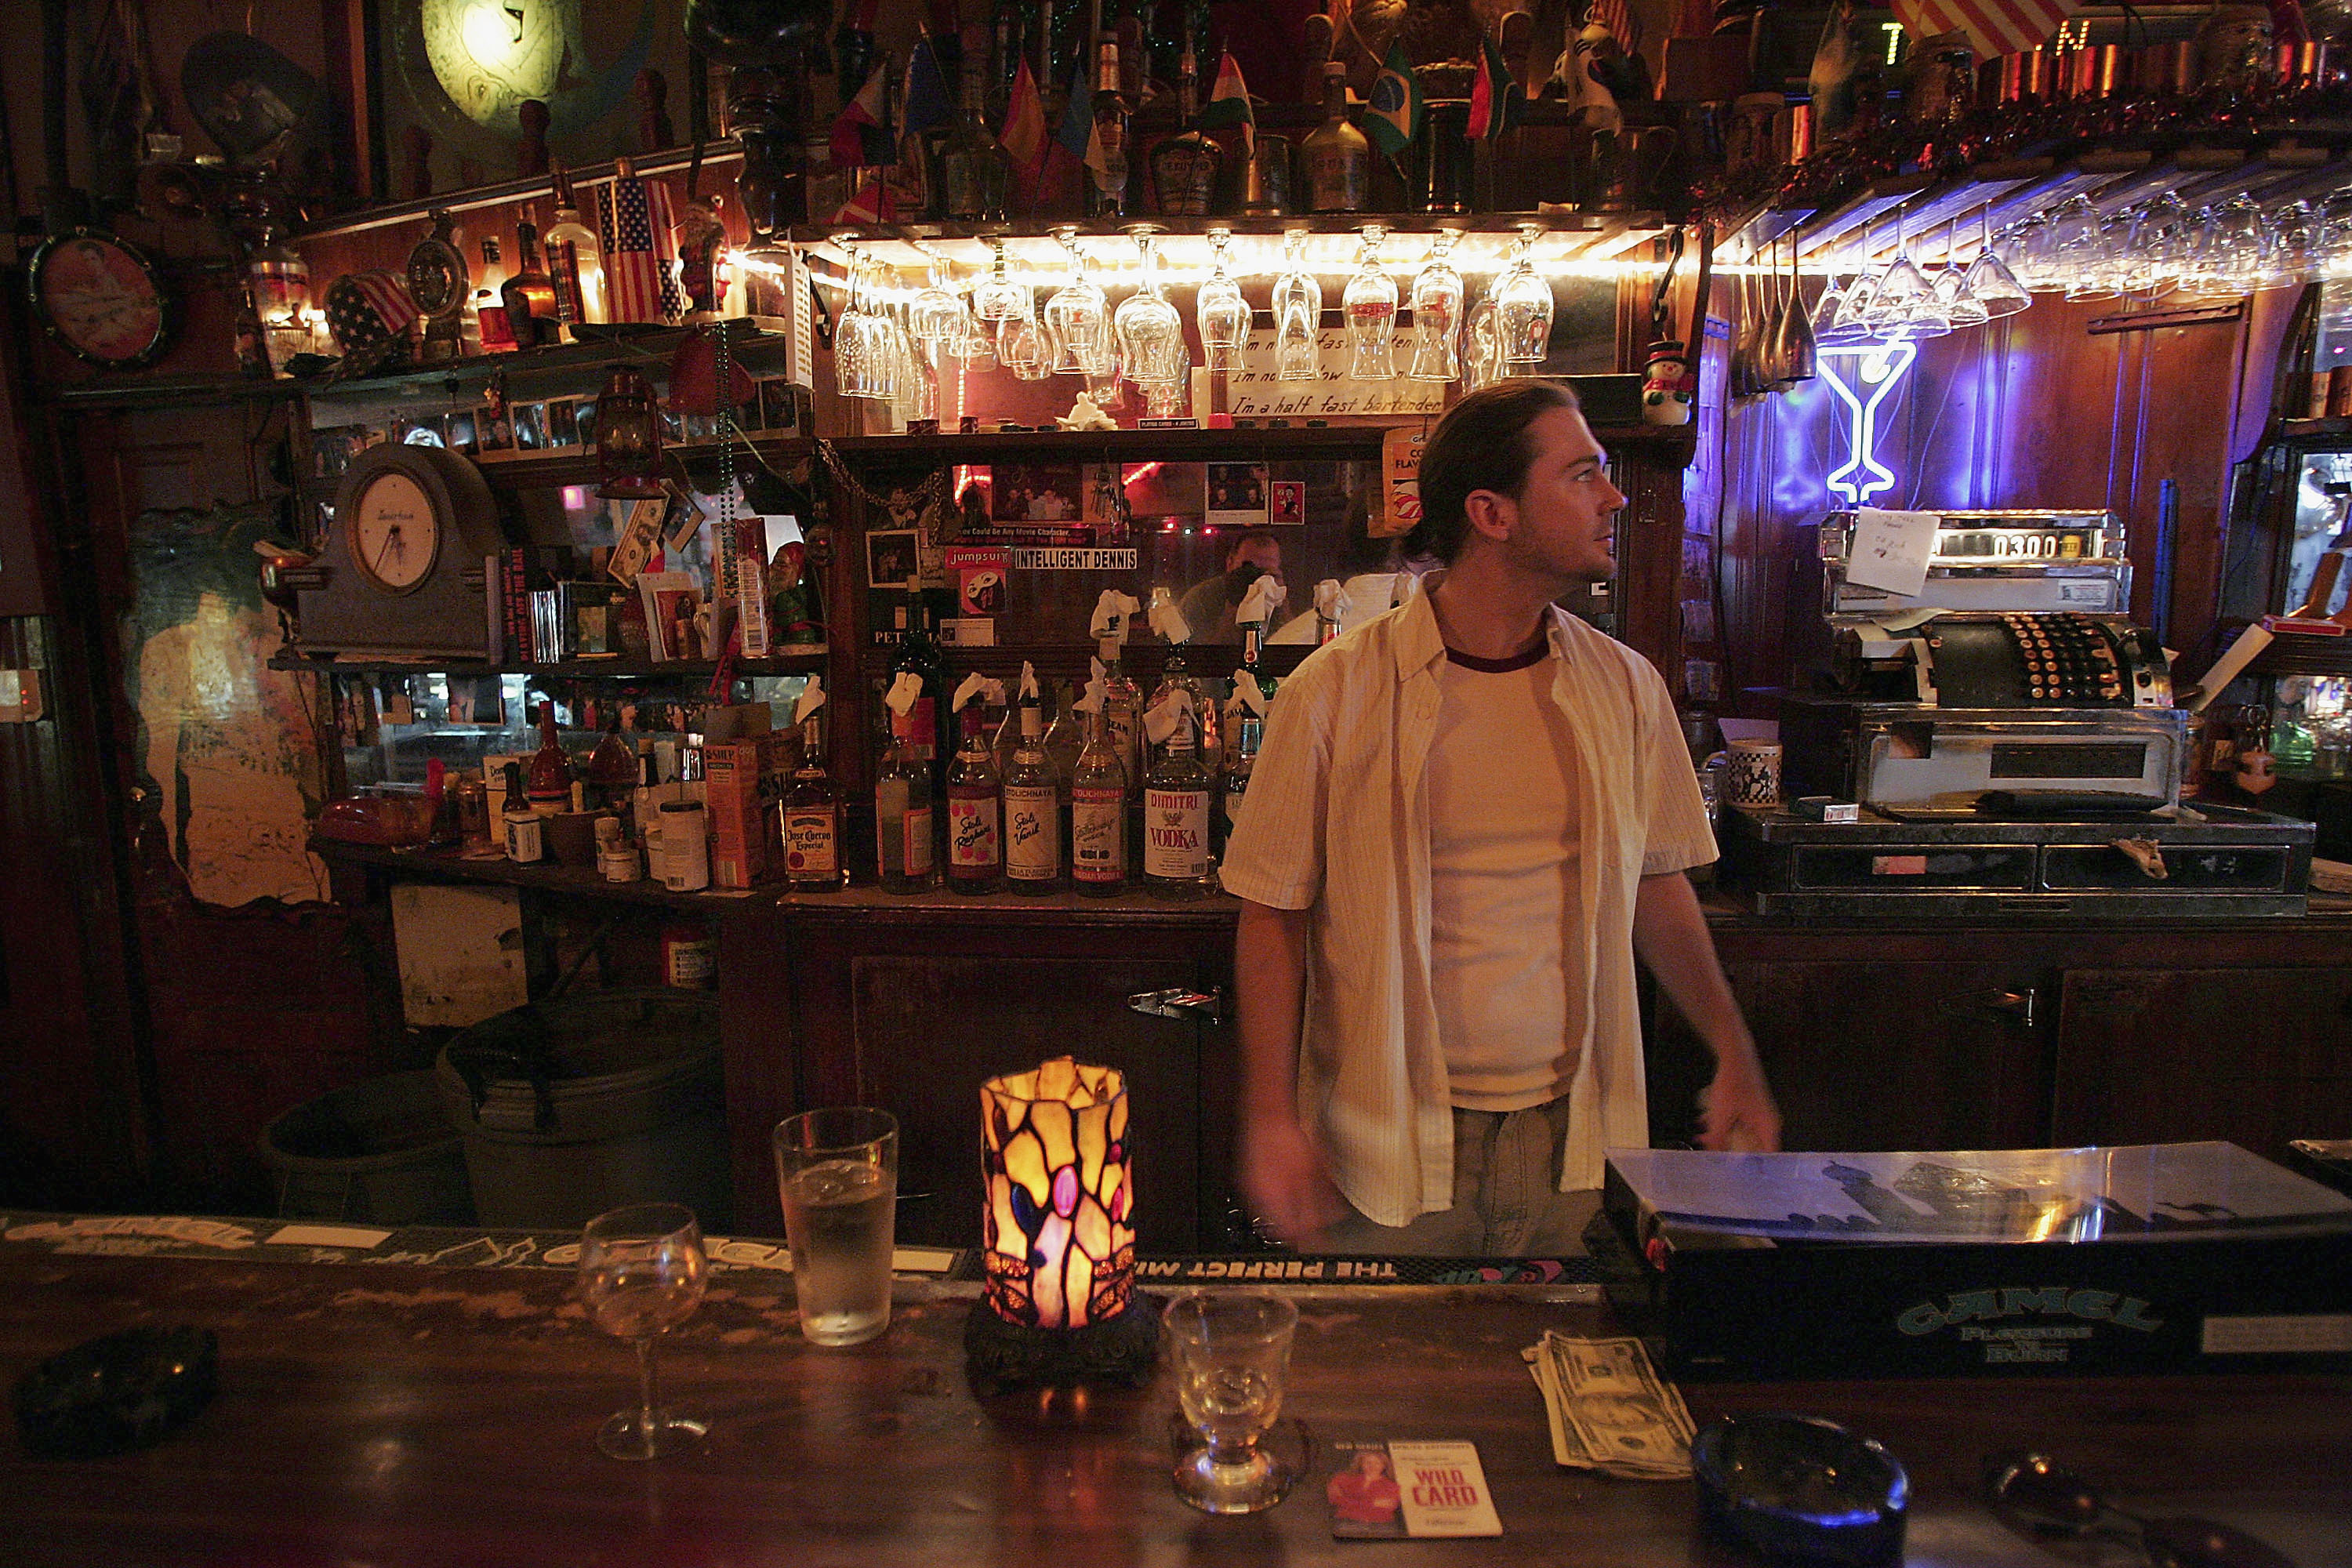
[736, 794]
[2148, 1259]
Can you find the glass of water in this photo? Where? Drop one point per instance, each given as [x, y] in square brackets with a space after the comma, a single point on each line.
[838, 1172]
[1232, 1352]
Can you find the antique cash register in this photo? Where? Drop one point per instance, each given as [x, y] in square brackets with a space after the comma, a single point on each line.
[2010, 738]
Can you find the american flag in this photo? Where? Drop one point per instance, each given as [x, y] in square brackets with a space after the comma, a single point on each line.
[388, 292]
[1993, 26]
[640, 251]
[1620, 21]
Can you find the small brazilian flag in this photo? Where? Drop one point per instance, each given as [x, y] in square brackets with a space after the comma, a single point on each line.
[1393, 116]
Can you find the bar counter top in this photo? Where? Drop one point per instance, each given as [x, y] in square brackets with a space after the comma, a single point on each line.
[421, 1412]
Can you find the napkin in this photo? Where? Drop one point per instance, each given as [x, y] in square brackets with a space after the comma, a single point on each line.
[980, 686]
[1263, 597]
[812, 697]
[1113, 610]
[1167, 619]
[904, 693]
[1159, 720]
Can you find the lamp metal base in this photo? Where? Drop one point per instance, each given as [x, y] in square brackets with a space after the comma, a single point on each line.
[1000, 1356]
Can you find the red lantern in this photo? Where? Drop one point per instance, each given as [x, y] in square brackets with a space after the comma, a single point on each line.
[628, 436]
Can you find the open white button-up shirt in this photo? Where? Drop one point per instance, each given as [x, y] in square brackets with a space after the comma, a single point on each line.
[1337, 822]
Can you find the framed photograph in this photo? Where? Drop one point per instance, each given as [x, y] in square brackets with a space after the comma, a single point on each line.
[1236, 495]
[563, 422]
[672, 602]
[460, 437]
[1037, 492]
[530, 426]
[476, 699]
[890, 558]
[493, 429]
[1287, 504]
[584, 419]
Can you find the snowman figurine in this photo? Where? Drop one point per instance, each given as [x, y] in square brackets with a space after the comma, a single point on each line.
[1666, 386]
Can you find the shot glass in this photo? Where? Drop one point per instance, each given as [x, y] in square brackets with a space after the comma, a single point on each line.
[838, 1173]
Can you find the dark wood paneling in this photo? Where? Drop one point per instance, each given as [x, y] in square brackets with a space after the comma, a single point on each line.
[2257, 1057]
[1869, 1055]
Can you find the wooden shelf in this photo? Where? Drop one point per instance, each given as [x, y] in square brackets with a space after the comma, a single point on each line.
[802, 661]
[449, 865]
[1294, 441]
[652, 343]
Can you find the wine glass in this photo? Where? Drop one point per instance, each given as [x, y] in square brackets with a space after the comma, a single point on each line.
[1223, 314]
[1023, 348]
[1297, 314]
[1523, 300]
[643, 1271]
[1437, 313]
[1960, 307]
[998, 296]
[1077, 316]
[1905, 305]
[1370, 304]
[1151, 331]
[1232, 1353]
[1482, 358]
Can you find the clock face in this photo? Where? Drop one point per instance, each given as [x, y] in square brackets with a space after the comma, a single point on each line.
[490, 55]
[99, 297]
[394, 532]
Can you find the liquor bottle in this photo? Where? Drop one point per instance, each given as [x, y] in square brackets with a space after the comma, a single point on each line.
[974, 173]
[529, 295]
[1177, 676]
[1176, 820]
[525, 830]
[1106, 186]
[919, 656]
[549, 787]
[1033, 814]
[1185, 167]
[612, 770]
[1338, 156]
[1241, 759]
[902, 814]
[1099, 815]
[493, 330]
[1122, 711]
[812, 860]
[1253, 652]
[1066, 737]
[975, 843]
[575, 261]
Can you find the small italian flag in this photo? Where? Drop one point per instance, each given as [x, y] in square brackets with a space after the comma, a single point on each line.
[1393, 118]
[1229, 104]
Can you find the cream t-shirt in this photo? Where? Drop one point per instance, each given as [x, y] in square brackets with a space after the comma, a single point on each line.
[1503, 883]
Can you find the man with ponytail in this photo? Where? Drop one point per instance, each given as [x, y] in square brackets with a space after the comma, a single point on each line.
[1470, 815]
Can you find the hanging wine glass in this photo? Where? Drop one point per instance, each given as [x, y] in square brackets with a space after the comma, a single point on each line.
[1023, 348]
[1905, 306]
[1990, 282]
[1223, 314]
[869, 337]
[1851, 324]
[2293, 246]
[1523, 300]
[998, 296]
[2153, 254]
[1482, 356]
[1369, 305]
[2078, 251]
[1077, 317]
[1297, 314]
[1150, 330]
[1437, 313]
[1171, 397]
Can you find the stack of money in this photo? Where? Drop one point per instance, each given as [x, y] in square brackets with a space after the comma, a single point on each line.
[1610, 1410]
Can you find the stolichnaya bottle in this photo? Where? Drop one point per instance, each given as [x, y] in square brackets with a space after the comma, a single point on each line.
[1099, 815]
[812, 861]
[1032, 817]
[1176, 819]
[902, 814]
[975, 837]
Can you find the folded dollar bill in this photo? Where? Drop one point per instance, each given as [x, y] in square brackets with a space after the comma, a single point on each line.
[1609, 1409]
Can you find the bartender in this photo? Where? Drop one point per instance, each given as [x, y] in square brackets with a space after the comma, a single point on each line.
[1209, 605]
[1468, 817]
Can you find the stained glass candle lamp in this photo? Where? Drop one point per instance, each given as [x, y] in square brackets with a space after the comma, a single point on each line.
[1057, 1175]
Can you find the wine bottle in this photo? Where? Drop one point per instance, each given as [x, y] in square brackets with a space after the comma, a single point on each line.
[902, 814]
[1107, 195]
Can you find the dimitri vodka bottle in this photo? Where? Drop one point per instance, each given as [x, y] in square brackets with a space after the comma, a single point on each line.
[1176, 819]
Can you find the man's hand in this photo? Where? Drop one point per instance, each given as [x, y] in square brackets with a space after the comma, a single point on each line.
[1287, 1183]
[1735, 1112]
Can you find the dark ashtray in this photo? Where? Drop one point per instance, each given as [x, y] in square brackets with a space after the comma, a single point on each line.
[118, 1392]
[1795, 1486]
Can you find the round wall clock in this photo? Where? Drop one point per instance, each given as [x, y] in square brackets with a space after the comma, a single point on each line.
[101, 298]
[395, 533]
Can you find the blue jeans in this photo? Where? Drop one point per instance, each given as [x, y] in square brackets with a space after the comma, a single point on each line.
[1506, 1196]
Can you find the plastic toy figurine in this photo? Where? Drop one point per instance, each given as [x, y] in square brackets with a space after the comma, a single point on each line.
[1666, 386]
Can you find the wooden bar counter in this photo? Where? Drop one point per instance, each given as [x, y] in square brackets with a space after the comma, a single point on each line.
[394, 1413]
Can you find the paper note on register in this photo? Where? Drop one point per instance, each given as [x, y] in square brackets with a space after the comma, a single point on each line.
[1891, 549]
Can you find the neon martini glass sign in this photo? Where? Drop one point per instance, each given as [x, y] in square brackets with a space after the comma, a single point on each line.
[1875, 368]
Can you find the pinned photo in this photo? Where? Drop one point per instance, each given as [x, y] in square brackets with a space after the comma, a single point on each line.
[890, 558]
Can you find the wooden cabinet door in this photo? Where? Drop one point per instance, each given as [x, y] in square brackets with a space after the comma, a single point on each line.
[1865, 1056]
[2256, 1057]
[929, 1028]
